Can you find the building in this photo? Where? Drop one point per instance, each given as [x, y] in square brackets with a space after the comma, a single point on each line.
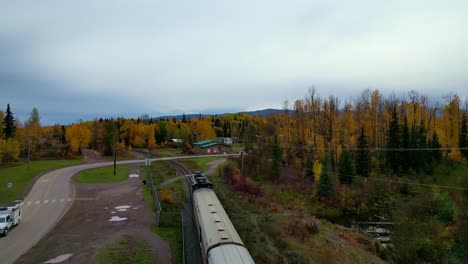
[210, 147]
[225, 140]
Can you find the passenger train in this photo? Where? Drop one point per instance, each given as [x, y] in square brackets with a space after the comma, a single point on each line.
[219, 240]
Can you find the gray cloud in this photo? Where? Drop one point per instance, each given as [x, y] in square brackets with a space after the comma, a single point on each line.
[185, 56]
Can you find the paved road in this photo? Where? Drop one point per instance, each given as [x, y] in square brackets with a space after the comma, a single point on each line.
[49, 199]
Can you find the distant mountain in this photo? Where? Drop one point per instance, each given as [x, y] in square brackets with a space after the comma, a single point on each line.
[263, 113]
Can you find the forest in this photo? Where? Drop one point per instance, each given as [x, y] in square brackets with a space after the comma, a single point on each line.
[402, 158]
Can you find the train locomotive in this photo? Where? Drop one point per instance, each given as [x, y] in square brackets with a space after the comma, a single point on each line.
[219, 240]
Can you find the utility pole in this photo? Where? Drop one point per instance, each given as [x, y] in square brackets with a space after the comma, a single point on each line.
[242, 166]
[115, 154]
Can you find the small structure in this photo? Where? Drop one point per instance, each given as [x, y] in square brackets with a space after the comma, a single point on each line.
[210, 147]
[225, 140]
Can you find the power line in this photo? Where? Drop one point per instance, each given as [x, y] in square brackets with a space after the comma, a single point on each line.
[377, 179]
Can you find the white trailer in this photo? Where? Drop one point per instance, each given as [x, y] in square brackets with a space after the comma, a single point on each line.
[10, 216]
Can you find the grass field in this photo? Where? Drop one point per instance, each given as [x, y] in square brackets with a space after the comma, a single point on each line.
[172, 198]
[198, 164]
[21, 175]
[128, 250]
[166, 152]
[103, 175]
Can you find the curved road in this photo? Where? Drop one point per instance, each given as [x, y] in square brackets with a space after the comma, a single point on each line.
[49, 199]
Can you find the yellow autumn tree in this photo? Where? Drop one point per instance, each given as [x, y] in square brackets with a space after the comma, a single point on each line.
[78, 136]
[9, 150]
[203, 130]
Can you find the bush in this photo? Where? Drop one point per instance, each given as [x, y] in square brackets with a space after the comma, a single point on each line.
[166, 196]
[301, 227]
[239, 183]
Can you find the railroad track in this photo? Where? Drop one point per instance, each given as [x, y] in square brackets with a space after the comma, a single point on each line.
[181, 169]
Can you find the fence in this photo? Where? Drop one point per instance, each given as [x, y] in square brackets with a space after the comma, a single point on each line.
[154, 193]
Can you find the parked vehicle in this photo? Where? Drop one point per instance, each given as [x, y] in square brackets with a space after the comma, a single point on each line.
[10, 216]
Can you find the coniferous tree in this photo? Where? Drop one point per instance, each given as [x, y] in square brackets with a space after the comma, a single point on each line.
[423, 158]
[435, 145]
[309, 167]
[463, 137]
[276, 161]
[346, 168]
[110, 137]
[405, 144]
[393, 143]
[9, 124]
[363, 158]
[326, 184]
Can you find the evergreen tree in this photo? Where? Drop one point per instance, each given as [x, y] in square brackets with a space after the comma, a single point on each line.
[363, 158]
[405, 144]
[111, 135]
[423, 158]
[463, 137]
[435, 145]
[9, 124]
[326, 184]
[346, 168]
[393, 143]
[276, 161]
[309, 167]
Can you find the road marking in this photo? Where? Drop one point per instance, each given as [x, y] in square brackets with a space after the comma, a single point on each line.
[30, 202]
[53, 201]
[37, 202]
[69, 199]
[85, 199]
[46, 201]
[45, 180]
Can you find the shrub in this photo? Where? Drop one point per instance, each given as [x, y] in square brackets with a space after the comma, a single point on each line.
[166, 196]
[301, 227]
[239, 183]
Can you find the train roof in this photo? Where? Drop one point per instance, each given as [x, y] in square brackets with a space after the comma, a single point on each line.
[229, 254]
[216, 228]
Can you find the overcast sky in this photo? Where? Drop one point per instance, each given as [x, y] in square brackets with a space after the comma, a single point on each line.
[73, 59]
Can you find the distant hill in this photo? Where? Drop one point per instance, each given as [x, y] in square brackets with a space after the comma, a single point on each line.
[263, 112]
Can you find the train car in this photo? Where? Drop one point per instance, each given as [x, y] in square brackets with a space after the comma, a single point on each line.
[219, 240]
[199, 180]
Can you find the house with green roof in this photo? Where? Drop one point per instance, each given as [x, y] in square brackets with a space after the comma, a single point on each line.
[210, 147]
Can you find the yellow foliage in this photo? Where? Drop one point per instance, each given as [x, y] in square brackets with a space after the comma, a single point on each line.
[454, 155]
[9, 150]
[317, 168]
[204, 130]
[166, 196]
[78, 136]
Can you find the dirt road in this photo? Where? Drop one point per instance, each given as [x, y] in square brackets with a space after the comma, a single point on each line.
[46, 203]
[89, 225]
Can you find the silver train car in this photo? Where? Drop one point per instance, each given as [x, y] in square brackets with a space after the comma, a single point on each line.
[219, 240]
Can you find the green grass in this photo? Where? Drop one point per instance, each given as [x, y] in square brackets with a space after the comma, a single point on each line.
[198, 164]
[169, 228]
[104, 175]
[21, 175]
[169, 152]
[127, 250]
[161, 172]
[147, 196]
[237, 147]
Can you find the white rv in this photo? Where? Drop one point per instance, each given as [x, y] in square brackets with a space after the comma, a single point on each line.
[10, 216]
